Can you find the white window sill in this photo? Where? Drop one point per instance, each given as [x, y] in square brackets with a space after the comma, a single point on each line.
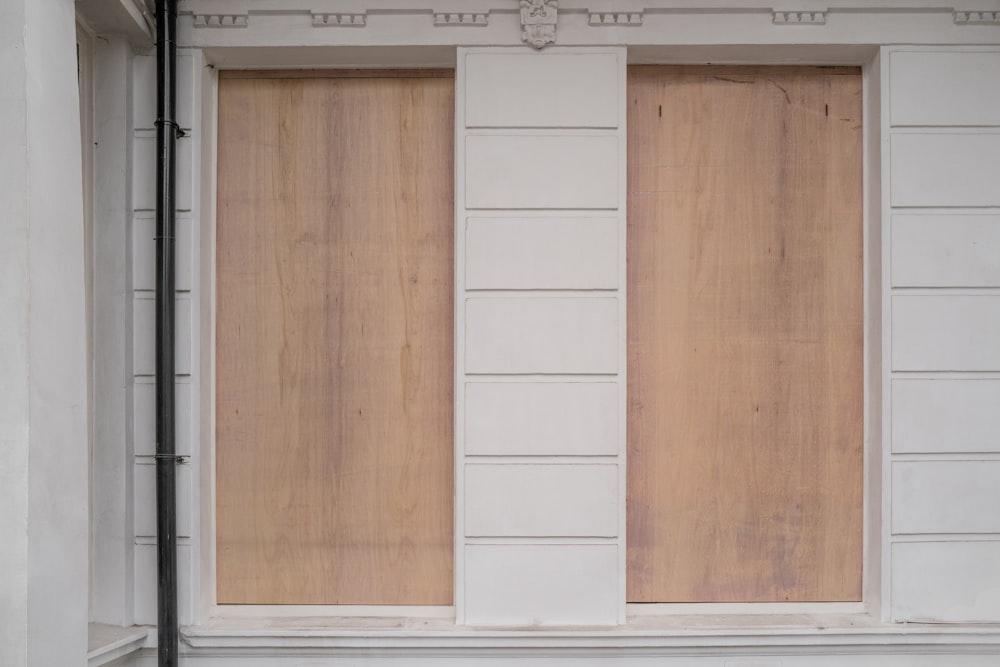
[650, 635]
[108, 643]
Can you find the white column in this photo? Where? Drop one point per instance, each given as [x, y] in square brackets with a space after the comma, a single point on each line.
[43, 423]
[540, 358]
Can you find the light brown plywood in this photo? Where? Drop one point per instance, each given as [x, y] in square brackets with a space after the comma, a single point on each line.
[744, 334]
[334, 341]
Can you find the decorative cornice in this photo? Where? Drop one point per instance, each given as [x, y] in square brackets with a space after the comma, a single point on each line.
[339, 20]
[458, 19]
[615, 18]
[976, 18]
[538, 22]
[799, 18]
[220, 20]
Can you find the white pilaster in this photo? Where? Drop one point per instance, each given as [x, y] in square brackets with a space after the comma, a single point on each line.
[540, 317]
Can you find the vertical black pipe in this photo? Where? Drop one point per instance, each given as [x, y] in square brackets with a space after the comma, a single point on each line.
[166, 457]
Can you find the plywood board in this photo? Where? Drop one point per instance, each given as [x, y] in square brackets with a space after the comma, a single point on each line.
[334, 446]
[744, 334]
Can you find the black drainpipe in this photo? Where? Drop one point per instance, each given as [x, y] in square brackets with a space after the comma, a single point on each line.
[166, 456]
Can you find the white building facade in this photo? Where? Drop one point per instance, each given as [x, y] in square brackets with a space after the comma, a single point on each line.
[540, 142]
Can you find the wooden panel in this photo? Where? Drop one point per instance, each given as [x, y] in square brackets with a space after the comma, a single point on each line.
[334, 356]
[541, 584]
[945, 333]
[944, 88]
[945, 169]
[541, 500]
[536, 171]
[541, 90]
[541, 335]
[945, 415]
[745, 335]
[541, 418]
[952, 582]
[945, 250]
[541, 253]
[945, 497]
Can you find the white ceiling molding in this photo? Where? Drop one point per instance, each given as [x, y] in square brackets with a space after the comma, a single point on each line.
[220, 20]
[615, 18]
[339, 20]
[638, 24]
[976, 18]
[461, 19]
[799, 18]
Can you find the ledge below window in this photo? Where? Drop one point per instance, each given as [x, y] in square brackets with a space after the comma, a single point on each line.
[108, 643]
[648, 636]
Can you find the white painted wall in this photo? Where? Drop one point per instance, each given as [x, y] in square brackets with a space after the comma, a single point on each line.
[43, 394]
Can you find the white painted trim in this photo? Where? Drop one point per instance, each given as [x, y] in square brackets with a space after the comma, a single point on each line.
[222, 613]
[744, 609]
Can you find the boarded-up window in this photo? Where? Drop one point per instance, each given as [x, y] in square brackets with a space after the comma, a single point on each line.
[334, 361]
[744, 334]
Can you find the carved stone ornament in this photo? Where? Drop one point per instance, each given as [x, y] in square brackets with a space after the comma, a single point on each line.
[538, 22]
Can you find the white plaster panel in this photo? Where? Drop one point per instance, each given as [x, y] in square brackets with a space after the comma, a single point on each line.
[541, 584]
[945, 497]
[946, 581]
[945, 169]
[541, 418]
[184, 175]
[144, 330]
[144, 252]
[541, 335]
[945, 333]
[945, 415]
[540, 500]
[547, 90]
[946, 250]
[145, 499]
[144, 417]
[144, 173]
[541, 253]
[945, 88]
[564, 171]
[145, 583]
[144, 91]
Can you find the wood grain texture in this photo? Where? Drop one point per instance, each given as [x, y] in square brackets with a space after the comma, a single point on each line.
[744, 334]
[334, 357]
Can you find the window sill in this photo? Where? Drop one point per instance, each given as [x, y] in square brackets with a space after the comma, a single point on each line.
[108, 643]
[803, 634]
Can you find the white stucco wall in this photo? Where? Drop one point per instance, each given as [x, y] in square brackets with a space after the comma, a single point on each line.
[933, 286]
